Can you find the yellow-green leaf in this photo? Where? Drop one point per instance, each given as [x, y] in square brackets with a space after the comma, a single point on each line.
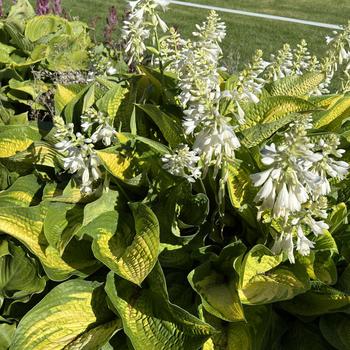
[65, 313]
[15, 139]
[261, 281]
[296, 85]
[150, 321]
[21, 193]
[218, 292]
[132, 261]
[333, 117]
[26, 225]
[116, 163]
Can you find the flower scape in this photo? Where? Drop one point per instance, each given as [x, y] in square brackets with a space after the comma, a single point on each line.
[151, 199]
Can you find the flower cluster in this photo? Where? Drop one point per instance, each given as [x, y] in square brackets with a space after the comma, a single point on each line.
[248, 86]
[183, 162]
[142, 24]
[337, 54]
[171, 48]
[80, 157]
[296, 183]
[104, 131]
[199, 82]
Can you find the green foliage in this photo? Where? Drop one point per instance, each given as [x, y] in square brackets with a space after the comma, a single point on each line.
[145, 259]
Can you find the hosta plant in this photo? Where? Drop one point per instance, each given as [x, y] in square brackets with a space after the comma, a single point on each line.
[150, 199]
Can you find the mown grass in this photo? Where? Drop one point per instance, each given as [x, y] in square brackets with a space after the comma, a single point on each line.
[244, 34]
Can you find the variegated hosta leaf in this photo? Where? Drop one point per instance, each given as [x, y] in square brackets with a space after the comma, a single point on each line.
[218, 292]
[15, 139]
[238, 184]
[325, 101]
[26, 225]
[112, 100]
[272, 108]
[332, 118]
[261, 132]
[19, 273]
[64, 95]
[61, 222]
[252, 333]
[130, 256]
[40, 26]
[116, 163]
[21, 193]
[321, 299]
[262, 281]
[70, 316]
[150, 321]
[93, 339]
[296, 85]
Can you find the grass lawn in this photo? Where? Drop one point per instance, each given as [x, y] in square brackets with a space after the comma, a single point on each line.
[244, 34]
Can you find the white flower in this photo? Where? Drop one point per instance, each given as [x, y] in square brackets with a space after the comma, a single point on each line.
[162, 3]
[216, 144]
[284, 244]
[104, 132]
[317, 227]
[183, 162]
[111, 70]
[303, 244]
[141, 24]
[74, 163]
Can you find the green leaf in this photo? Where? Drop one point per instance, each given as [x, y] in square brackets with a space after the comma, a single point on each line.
[112, 100]
[41, 26]
[19, 277]
[116, 163]
[64, 95]
[65, 313]
[61, 222]
[272, 108]
[321, 299]
[21, 193]
[5, 52]
[17, 139]
[26, 225]
[336, 330]
[170, 127]
[150, 321]
[332, 118]
[32, 88]
[337, 217]
[261, 132]
[218, 292]
[7, 332]
[303, 336]
[74, 106]
[21, 11]
[263, 282]
[326, 242]
[296, 85]
[95, 338]
[135, 260]
[238, 185]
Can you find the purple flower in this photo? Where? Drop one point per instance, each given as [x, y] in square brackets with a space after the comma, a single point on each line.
[42, 7]
[112, 21]
[1, 9]
[57, 7]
